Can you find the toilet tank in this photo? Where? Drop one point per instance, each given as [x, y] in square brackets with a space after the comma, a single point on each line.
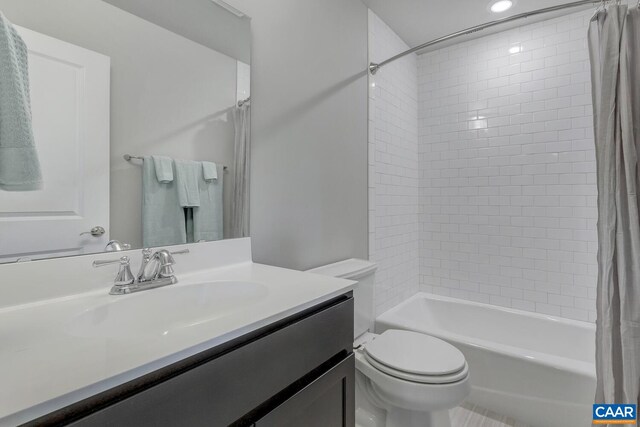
[363, 272]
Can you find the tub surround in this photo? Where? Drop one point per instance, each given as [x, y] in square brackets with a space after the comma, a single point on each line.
[508, 182]
[394, 235]
[497, 176]
[53, 358]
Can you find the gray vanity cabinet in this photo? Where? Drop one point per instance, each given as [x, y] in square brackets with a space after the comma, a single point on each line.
[328, 401]
[296, 372]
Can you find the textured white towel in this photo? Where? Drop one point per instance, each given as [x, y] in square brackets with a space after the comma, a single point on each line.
[19, 164]
[164, 169]
[162, 216]
[188, 175]
[208, 224]
[209, 171]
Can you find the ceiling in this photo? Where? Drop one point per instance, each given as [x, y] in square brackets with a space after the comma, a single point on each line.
[418, 21]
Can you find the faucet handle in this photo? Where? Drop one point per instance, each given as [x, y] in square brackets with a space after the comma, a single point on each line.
[124, 276]
[165, 261]
[166, 271]
[103, 262]
[182, 252]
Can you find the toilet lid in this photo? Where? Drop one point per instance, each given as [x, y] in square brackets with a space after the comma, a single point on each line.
[423, 379]
[415, 355]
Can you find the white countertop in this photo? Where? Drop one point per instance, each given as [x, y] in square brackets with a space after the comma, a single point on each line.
[45, 366]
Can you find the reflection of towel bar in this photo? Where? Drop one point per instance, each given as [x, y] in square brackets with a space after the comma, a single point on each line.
[129, 157]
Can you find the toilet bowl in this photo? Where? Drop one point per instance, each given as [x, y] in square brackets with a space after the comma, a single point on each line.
[403, 378]
[414, 378]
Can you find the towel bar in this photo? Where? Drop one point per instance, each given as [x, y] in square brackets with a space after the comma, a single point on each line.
[129, 157]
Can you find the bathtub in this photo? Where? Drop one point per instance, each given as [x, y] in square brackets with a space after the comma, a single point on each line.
[535, 368]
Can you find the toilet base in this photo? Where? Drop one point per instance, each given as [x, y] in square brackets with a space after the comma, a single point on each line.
[402, 418]
[370, 412]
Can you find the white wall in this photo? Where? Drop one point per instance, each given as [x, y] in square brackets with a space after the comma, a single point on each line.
[169, 95]
[202, 21]
[243, 82]
[508, 171]
[309, 131]
[309, 123]
[393, 168]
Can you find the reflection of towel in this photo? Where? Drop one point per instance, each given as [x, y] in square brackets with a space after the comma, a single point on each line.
[163, 221]
[207, 218]
[164, 169]
[188, 174]
[19, 164]
[209, 171]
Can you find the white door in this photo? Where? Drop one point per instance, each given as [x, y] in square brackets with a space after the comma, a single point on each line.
[70, 105]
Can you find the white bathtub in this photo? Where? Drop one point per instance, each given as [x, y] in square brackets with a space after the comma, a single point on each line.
[537, 369]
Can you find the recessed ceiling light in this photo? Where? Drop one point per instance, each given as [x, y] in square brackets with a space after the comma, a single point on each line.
[501, 6]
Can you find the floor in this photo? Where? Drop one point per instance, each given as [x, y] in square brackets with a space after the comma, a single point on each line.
[468, 415]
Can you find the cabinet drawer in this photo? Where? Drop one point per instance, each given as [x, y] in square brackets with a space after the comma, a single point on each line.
[227, 386]
[329, 401]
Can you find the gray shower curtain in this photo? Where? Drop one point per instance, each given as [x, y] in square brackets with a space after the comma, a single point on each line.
[242, 169]
[614, 45]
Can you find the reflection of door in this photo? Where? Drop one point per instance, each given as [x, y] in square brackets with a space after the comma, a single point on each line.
[70, 104]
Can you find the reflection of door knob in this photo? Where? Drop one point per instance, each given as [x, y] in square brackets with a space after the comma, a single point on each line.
[96, 231]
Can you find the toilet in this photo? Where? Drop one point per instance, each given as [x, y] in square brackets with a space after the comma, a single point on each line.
[403, 378]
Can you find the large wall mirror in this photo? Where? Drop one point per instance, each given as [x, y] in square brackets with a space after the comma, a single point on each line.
[140, 115]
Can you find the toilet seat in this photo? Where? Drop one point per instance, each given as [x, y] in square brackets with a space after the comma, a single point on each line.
[423, 379]
[416, 357]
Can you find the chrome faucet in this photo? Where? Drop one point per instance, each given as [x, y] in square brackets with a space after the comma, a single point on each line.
[156, 270]
[146, 257]
[157, 266]
[116, 246]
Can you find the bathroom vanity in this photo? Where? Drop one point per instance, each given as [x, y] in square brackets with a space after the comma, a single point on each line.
[297, 371]
[141, 116]
[232, 343]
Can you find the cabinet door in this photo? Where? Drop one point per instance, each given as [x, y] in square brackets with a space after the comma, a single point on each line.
[327, 402]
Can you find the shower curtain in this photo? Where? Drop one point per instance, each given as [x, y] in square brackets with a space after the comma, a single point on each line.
[614, 45]
[242, 162]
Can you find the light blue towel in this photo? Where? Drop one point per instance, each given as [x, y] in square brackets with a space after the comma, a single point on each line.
[188, 174]
[164, 168]
[163, 220]
[208, 217]
[209, 171]
[19, 164]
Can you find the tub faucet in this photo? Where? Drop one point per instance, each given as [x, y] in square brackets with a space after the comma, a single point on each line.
[156, 270]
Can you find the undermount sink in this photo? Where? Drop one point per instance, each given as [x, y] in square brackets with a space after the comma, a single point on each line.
[161, 311]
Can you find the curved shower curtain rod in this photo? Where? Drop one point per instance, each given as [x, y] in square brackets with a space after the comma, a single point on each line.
[374, 67]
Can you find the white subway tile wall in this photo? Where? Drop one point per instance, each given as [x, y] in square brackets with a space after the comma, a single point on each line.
[393, 169]
[507, 169]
